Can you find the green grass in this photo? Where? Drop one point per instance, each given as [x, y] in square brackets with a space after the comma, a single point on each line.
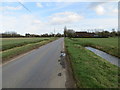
[10, 53]
[109, 45]
[90, 70]
[8, 43]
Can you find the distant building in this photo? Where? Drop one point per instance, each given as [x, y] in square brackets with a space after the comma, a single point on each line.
[85, 34]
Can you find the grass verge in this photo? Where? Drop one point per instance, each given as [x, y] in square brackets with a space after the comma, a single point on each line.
[90, 70]
[10, 53]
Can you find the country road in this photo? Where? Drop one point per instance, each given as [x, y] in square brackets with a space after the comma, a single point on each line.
[37, 69]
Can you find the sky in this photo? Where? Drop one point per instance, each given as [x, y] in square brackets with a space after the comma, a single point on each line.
[45, 17]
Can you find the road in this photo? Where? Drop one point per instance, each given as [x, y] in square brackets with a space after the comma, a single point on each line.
[39, 68]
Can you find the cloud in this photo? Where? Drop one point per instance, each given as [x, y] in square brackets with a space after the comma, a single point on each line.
[30, 24]
[37, 22]
[99, 23]
[39, 4]
[95, 4]
[98, 7]
[115, 10]
[65, 17]
[104, 8]
[96, 23]
[22, 24]
[10, 8]
[99, 10]
[21, 1]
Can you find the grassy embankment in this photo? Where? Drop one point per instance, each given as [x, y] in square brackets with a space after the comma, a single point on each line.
[12, 47]
[108, 45]
[90, 70]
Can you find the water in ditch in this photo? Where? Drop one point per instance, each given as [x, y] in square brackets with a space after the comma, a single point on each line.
[114, 60]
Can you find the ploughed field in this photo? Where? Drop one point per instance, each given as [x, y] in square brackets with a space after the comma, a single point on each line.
[90, 70]
[11, 47]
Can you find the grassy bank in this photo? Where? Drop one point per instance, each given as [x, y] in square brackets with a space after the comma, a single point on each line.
[109, 45]
[90, 70]
[10, 53]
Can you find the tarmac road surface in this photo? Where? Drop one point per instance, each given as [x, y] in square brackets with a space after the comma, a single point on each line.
[39, 68]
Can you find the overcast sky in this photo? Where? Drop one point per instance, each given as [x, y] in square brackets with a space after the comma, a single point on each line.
[43, 17]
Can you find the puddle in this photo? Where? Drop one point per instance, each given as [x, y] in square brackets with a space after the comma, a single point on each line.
[108, 57]
[59, 74]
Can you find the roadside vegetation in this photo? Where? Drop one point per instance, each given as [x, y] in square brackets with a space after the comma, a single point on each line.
[90, 70]
[12, 47]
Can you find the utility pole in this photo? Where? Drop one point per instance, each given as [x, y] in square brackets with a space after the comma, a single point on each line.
[88, 30]
[54, 32]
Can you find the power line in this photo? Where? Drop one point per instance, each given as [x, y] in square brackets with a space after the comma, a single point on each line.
[24, 6]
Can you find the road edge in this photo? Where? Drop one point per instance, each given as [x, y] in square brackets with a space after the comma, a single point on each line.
[70, 78]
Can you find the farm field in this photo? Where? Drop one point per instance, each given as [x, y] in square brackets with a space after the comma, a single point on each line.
[108, 45]
[12, 47]
[90, 70]
[8, 43]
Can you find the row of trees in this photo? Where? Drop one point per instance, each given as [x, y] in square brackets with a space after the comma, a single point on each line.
[14, 34]
[44, 35]
[67, 33]
[10, 34]
[109, 34]
[103, 33]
